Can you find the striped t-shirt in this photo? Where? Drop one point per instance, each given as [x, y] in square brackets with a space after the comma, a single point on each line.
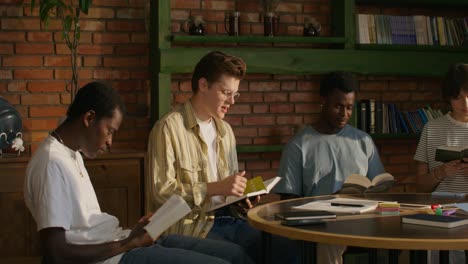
[443, 131]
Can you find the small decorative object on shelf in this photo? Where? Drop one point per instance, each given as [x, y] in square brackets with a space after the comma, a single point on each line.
[194, 26]
[311, 27]
[232, 23]
[270, 24]
[270, 20]
[10, 128]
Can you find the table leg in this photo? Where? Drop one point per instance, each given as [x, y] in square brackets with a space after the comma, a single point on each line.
[418, 256]
[444, 257]
[393, 255]
[266, 245]
[372, 255]
[309, 252]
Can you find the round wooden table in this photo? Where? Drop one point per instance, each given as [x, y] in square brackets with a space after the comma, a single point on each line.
[367, 230]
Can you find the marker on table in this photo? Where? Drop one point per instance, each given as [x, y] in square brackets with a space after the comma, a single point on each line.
[346, 204]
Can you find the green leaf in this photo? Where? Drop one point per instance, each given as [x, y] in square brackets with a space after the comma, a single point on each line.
[84, 5]
[67, 23]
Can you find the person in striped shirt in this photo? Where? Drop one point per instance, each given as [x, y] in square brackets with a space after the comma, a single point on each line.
[448, 130]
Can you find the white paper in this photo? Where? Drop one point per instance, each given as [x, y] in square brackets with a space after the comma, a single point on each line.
[325, 205]
[168, 214]
[463, 206]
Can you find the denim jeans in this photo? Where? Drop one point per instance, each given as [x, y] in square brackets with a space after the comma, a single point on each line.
[238, 231]
[175, 249]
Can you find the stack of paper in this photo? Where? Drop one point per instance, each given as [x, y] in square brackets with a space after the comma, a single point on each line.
[340, 205]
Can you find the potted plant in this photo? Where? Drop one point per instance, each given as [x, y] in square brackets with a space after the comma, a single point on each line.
[69, 15]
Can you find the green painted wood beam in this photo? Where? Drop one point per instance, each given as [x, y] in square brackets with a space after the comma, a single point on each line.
[318, 61]
[258, 39]
[425, 3]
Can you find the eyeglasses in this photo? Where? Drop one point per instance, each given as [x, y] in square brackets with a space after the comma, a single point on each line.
[229, 94]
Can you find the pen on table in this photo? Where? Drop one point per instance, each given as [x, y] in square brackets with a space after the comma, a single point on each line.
[346, 204]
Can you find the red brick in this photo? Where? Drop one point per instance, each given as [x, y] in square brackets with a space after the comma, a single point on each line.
[66, 74]
[183, 4]
[16, 86]
[38, 74]
[240, 109]
[47, 111]
[94, 49]
[39, 136]
[259, 120]
[13, 99]
[276, 97]
[62, 49]
[112, 3]
[284, 120]
[40, 99]
[256, 165]
[308, 86]
[260, 109]
[132, 26]
[97, 12]
[92, 25]
[303, 97]
[281, 108]
[53, 61]
[20, 24]
[275, 131]
[139, 38]
[47, 86]
[21, 61]
[141, 75]
[288, 18]
[122, 62]
[6, 75]
[127, 13]
[218, 5]
[39, 36]
[12, 36]
[92, 61]
[179, 15]
[248, 6]
[34, 48]
[107, 74]
[39, 124]
[245, 132]
[6, 48]
[133, 49]
[264, 86]
[111, 38]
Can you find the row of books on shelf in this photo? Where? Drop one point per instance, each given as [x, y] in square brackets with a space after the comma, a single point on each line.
[376, 117]
[411, 30]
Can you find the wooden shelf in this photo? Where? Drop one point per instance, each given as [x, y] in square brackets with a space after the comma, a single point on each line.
[427, 48]
[444, 3]
[258, 39]
[319, 61]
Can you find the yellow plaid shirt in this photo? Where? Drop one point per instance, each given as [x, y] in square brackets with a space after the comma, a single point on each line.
[178, 163]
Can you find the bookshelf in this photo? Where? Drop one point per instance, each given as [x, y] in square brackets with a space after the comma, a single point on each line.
[174, 53]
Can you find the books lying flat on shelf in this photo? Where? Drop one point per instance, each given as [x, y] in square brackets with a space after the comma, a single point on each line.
[356, 183]
[168, 214]
[449, 153]
[301, 215]
[340, 205]
[255, 186]
[434, 220]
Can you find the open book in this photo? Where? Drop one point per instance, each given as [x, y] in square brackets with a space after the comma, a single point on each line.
[356, 183]
[340, 205]
[255, 186]
[168, 214]
[449, 153]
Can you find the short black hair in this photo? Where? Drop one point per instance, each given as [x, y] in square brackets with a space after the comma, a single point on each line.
[455, 81]
[216, 63]
[343, 81]
[96, 96]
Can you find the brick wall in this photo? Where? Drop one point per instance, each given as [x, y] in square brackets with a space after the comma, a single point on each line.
[34, 74]
[35, 65]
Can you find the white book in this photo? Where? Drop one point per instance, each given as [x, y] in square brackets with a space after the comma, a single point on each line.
[168, 214]
[340, 205]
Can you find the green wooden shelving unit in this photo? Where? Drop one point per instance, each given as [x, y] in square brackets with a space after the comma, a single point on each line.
[341, 52]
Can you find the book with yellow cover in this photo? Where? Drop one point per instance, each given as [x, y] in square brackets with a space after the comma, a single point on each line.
[255, 186]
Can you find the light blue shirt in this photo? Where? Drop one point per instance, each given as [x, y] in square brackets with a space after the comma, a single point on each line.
[317, 164]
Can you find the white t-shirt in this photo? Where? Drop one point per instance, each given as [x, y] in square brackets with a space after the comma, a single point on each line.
[59, 193]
